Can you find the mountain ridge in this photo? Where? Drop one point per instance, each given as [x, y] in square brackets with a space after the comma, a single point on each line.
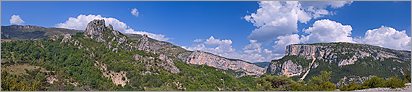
[346, 60]
[115, 40]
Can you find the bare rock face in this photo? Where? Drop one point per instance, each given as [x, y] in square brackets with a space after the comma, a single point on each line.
[291, 69]
[344, 53]
[203, 58]
[118, 78]
[113, 39]
[95, 29]
[356, 79]
[287, 68]
[168, 64]
[162, 61]
[344, 59]
[66, 38]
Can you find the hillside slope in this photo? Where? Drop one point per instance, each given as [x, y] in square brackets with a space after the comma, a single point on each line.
[347, 61]
[101, 58]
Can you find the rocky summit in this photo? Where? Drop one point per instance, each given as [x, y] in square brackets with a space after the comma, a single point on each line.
[345, 60]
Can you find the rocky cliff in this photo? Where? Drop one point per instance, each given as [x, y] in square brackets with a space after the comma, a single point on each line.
[204, 58]
[144, 43]
[343, 59]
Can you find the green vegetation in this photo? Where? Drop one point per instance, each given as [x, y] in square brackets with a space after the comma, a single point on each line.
[72, 64]
[375, 82]
[34, 80]
[282, 83]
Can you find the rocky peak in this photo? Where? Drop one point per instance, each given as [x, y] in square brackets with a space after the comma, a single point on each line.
[95, 29]
[113, 39]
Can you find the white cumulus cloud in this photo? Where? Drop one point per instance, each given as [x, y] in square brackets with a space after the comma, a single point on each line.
[215, 46]
[277, 18]
[216, 42]
[134, 12]
[326, 30]
[387, 37]
[80, 22]
[283, 41]
[16, 20]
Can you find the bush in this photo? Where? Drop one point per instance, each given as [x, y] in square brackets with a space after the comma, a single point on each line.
[321, 82]
[270, 82]
[394, 82]
[374, 82]
[351, 86]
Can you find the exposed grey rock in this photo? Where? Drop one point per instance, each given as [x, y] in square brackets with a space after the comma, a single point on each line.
[66, 38]
[95, 30]
[344, 58]
[355, 79]
[137, 57]
[203, 58]
[332, 52]
[291, 69]
[348, 61]
[168, 64]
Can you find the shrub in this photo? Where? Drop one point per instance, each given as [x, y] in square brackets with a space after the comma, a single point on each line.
[321, 82]
[394, 82]
[374, 82]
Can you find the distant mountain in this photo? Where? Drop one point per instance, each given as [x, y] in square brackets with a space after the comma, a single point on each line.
[262, 64]
[347, 61]
[26, 32]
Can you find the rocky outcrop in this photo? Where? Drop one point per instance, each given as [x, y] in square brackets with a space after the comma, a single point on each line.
[145, 43]
[176, 53]
[344, 53]
[291, 69]
[66, 38]
[168, 64]
[345, 59]
[204, 58]
[118, 78]
[162, 61]
[95, 30]
[349, 79]
[113, 39]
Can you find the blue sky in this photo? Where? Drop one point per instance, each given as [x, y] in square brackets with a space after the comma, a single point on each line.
[184, 22]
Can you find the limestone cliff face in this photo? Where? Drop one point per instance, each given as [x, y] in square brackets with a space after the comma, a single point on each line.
[287, 68]
[344, 53]
[344, 59]
[204, 58]
[145, 43]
